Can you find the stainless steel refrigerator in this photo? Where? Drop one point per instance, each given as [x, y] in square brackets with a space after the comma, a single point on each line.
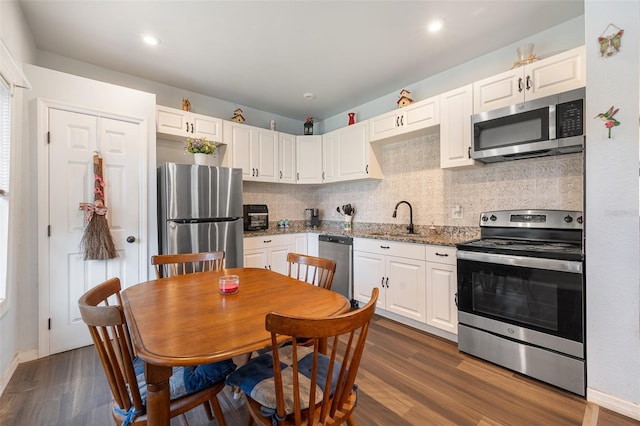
[200, 209]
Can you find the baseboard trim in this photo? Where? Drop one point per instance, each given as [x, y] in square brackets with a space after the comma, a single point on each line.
[626, 408]
[17, 359]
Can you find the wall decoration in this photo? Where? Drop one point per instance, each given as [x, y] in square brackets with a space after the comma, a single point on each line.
[237, 116]
[607, 117]
[97, 241]
[352, 118]
[308, 126]
[186, 105]
[404, 99]
[610, 44]
[525, 55]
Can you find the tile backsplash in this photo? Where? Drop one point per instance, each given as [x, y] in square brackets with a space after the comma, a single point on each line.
[440, 197]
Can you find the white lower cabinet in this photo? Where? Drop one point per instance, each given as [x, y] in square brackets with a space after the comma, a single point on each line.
[300, 243]
[269, 252]
[312, 244]
[397, 269]
[441, 287]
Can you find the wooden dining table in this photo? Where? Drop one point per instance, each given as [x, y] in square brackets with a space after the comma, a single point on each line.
[183, 320]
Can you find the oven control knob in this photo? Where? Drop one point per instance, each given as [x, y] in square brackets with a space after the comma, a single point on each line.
[568, 219]
[493, 218]
[484, 218]
[579, 219]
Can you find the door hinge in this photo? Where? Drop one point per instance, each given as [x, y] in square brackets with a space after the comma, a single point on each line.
[48, 137]
[49, 324]
[48, 230]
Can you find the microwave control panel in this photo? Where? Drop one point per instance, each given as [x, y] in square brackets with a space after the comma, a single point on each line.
[569, 119]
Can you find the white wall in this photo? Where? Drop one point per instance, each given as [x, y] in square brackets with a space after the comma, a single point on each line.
[612, 234]
[21, 279]
[170, 96]
[554, 40]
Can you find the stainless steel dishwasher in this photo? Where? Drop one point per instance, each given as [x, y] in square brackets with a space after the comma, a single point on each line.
[339, 248]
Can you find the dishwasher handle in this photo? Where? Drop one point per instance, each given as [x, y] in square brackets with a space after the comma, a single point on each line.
[337, 239]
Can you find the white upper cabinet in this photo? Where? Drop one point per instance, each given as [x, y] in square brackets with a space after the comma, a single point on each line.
[455, 127]
[176, 124]
[286, 158]
[253, 150]
[348, 155]
[405, 121]
[309, 159]
[559, 73]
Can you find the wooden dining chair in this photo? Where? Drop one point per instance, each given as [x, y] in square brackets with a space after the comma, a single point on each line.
[314, 270]
[278, 384]
[167, 265]
[109, 332]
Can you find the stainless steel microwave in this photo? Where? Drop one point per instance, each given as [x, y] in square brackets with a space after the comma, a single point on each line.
[547, 126]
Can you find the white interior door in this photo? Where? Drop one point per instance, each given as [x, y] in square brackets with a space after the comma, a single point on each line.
[74, 137]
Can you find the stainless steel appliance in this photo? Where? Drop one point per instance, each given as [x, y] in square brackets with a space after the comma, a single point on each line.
[200, 209]
[521, 295]
[256, 217]
[339, 248]
[547, 126]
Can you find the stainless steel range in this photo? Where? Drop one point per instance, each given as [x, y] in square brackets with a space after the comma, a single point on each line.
[521, 298]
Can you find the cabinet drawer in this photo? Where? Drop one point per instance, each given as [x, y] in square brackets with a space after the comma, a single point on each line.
[267, 241]
[441, 254]
[390, 248]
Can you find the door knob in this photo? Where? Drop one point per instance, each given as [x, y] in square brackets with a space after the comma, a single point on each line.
[131, 239]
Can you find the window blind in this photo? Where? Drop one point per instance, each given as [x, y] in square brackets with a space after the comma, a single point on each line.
[5, 136]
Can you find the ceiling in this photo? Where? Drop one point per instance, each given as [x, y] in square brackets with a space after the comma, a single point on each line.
[267, 54]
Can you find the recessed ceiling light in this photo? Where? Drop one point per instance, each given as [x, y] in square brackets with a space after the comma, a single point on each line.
[151, 39]
[435, 25]
[308, 95]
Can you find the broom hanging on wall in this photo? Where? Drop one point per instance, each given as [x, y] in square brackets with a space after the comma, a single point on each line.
[97, 241]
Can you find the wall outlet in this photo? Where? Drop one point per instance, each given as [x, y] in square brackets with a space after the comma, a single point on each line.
[456, 212]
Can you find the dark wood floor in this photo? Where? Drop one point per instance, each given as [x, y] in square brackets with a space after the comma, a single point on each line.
[406, 378]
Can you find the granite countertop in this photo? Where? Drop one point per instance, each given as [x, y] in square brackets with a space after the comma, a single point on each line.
[434, 235]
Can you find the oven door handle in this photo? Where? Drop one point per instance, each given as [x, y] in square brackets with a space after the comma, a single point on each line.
[526, 262]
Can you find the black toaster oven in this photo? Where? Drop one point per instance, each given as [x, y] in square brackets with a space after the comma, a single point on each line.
[256, 217]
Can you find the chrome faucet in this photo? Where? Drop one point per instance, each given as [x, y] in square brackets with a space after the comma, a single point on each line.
[395, 212]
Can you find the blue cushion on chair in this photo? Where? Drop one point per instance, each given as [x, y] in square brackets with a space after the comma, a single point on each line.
[177, 388]
[197, 377]
[256, 377]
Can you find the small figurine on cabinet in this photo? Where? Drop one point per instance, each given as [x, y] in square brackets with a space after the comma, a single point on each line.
[404, 99]
[237, 116]
[186, 105]
[308, 126]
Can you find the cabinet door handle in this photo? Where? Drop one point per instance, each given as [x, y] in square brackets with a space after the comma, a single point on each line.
[397, 121]
[528, 82]
[366, 169]
[280, 174]
[385, 247]
[191, 127]
[298, 176]
[382, 282]
[520, 85]
[442, 254]
[266, 241]
[387, 282]
[187, 129]
[322, 175]
[455, 299]
[469, 153]
[257, 172]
